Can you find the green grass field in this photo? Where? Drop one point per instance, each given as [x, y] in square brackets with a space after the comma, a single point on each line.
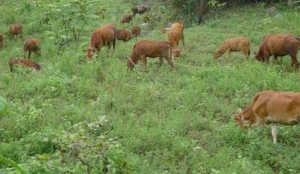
[76, 116]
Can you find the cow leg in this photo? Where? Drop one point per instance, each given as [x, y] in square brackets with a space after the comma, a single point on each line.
[267, 59]
[170, 62]
[275, 60]
[246, 53]
[144, 62]
[29, 53]
[229, 54]
[274, 133]
[161, 61]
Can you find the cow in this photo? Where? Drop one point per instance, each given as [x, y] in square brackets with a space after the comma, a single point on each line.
[103, 36]
[23, 61]
[1, 41]
[126, 19]
[279, 45]
[32, 45]
[16, 30]
[136, 31]
[234, 44]
[267, 107]
[152, 49]
[139, 10]
[124, 35]
[175, 35]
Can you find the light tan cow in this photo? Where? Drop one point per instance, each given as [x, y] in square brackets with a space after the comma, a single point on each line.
[271, 107]
[175, 35]
[233, 45]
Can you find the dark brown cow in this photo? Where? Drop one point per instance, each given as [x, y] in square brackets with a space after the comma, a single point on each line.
[124, 35]
[103, 36]
[175, 35]
[279, 45]
[234, 44]
[139, 10]
[136, 31]
[149, 48]
[16, 30]
[271, 107]
[126, 19]
[1, 41]
[24, 62]
[32, 45]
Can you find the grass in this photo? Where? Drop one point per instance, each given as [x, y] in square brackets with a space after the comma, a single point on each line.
[164, 121]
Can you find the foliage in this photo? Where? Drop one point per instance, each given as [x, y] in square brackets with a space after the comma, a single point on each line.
[79, 116]
[3, 106]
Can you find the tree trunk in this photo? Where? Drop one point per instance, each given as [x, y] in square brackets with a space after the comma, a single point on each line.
[202, 9]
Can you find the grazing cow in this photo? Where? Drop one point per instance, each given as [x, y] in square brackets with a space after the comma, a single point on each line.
[16, 30]
[124, 35]
[233, 45]
[1, 41]
[126, 19]
[175, 35]
[103, 36]
[23, 61]
[153, 49]
[136, 31]
[279, 45]
[139, 10]
[271, 107]
[32, 45]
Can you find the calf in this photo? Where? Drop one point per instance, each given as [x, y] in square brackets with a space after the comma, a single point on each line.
[23, 61]
[279, 45]
[175, 35]
[153, 49]
[1, 41]
[139, 10]
[103, 36]
[126, 19]
[16, 30]
[32, 45]
[271, 107]
[232, 45]
[124, 35]
[136, 31]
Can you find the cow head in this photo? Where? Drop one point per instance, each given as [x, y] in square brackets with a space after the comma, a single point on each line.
[217, 54]
[176, 53]
[259, 56]
[89, 52]
[129, 63]
[239, 118]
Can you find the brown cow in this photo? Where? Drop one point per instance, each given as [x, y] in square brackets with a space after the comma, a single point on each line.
[149, 48]
[103, 36]
[126, 19]
[1, 41]
[232, 45]
[32, 45]
[175, 35]
[271, 107]
[15, 30]
[23, 61]
[136, 31]
[124, 35]
[279, 45]
[139, 10]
